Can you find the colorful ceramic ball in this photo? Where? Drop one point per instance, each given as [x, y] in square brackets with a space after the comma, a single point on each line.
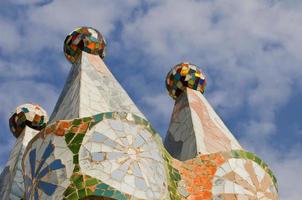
[85, 39]
[27, 115]
[182, 76]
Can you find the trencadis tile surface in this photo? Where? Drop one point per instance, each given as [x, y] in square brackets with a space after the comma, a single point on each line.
[99, 146]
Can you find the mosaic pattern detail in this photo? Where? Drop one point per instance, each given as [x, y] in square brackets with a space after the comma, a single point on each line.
[118, 155]
[27, 115]
[83, 185]
[182, 76]
[11, 179]
[38, 171]
[84, 39]
[5, 178]
[47, 166]
[68, 108]
[195, 128]
[227, 176]
[243, 179]
[103, 144]
[94, 90]
[174, 178]
[86, 187]
[132, 166]
[125, 156]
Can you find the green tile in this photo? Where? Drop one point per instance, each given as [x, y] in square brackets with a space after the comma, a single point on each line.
[235, 154]
[89, 192]
[258, 160]
[109, 115]
[108, 193]
[76, 159]
[250, 155]
[82, 193]
[98, 118]
[78, 139]
[91, 182]
[74, 196]
[74, 148]
[77, 122]
[78, 181]
[98, 192]
[76, 168]
[87, 119]
[102, 186]
[92, 124]
[68, 191]
[68, 137]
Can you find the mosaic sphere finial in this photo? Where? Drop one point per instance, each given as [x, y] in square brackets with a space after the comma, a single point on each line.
[184, 75]
[27, 115]
[85, 39]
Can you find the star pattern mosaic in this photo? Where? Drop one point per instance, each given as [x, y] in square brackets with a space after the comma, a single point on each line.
[27, 115]
[182, 76]
[85, 39]
[235, 175]
[125, 156]
[47, 166]
[38, 171]
[116, 155]
[243, 179]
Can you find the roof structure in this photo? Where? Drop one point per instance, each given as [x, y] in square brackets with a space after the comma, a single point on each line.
[25, 123]
[195, 128]
[90, 88]
[98, 145]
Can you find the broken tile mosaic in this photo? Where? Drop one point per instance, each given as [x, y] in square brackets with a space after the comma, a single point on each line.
[27, 115]
[182, 76]
[85, 39]
[99, 146]
[47, 166]
[227, 175]
[125, 156]
[40, 170]
[117, 151]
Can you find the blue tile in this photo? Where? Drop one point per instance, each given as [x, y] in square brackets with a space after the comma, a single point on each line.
[47, 188]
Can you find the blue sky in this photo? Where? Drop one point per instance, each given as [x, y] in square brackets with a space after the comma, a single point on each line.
[250, 51]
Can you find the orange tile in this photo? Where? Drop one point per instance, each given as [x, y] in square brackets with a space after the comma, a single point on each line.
[60, 132]
[83, 127]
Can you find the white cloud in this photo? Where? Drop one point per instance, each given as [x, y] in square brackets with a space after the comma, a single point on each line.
[251, 50]
[289, 179]
[49, 24]
[29, 2]
[251, 47]
[20, 92]
[16, 69]
[10, 37]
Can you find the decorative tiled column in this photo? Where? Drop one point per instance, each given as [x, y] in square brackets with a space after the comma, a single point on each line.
[90, 88]
[195, 128]
[25, 123]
